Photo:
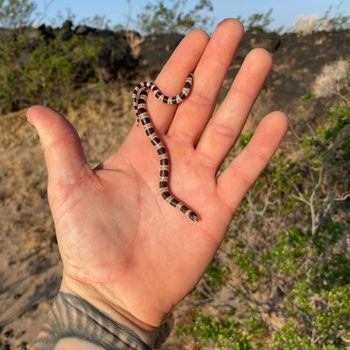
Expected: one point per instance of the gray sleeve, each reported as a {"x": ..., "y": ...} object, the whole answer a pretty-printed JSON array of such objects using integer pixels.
[{"x": 73, "y": 317}]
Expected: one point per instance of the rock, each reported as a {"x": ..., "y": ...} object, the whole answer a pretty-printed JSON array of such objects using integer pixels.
[
  {"x": 83, "y": 30},
  {"x": 114, "y": 55},
  {"x": 46, "y": 32},
  {"x": 67, "y": 30},
  {"x": 256, "y": 38},
  {"x": 67, "y": 26},
  {"x": 155, "y": 51}
]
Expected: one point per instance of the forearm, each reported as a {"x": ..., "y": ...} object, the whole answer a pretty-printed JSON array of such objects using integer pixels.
[{"x": 75, "y": 323}]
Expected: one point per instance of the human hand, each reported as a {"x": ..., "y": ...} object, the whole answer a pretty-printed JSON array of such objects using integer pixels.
[{"x": 125, "y": 249}]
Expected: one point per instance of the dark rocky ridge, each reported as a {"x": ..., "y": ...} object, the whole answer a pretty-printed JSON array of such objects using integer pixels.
[
  {"x": 298, "y": 58},
  {"x": 128, "y": 56}
]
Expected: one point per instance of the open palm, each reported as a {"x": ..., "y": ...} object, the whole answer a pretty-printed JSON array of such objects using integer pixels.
[{"x": 117, "y": 236}]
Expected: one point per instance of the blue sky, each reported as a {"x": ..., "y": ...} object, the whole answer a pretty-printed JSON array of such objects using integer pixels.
[{"x": 284, "y": 12}]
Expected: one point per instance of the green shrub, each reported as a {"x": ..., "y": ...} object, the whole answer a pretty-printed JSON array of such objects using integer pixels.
[
  {"x": 216, "y": 275},
  {"x": 54, "y": 72},
  {"x": 290, "y": 248},
  {"x": 224, "y": 333}
]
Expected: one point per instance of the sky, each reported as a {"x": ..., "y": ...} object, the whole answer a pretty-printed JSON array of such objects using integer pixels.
[{"x": 284, "y": 12}]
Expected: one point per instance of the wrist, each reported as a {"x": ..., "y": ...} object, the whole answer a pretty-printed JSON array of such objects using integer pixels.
[
  {"x": 145, "y": 332},
  {"x": 75, "y": 323}
]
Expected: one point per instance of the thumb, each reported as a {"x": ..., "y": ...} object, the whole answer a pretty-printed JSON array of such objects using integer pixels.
[{"x": 64, "y": 155}]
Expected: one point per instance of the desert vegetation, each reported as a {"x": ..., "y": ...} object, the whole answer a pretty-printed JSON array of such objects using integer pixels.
[
  {"x": 287, "y": 256},
  {"x": 281, "y": 279}
]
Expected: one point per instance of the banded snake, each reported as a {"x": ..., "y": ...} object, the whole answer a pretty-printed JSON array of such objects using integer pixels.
[{"x": 140, "y": 94}]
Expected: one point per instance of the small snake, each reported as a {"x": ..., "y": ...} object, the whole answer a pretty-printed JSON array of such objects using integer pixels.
[{"x": 140, "y": 94}]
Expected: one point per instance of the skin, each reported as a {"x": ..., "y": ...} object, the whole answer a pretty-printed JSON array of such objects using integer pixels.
[{"x": 126, "y": 250}]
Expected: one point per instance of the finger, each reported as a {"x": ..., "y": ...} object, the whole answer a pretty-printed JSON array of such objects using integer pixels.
[
  {"x": 173, "y": 75},
  {"x": 192, "y": 116},
  {"x": 64, "y": 156},
  {"x": 226, "y": 125},
  {"x": 236, "y": 179}
]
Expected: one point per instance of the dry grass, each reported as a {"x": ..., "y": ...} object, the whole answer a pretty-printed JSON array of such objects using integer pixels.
[{"x": 332, "y": 79}]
